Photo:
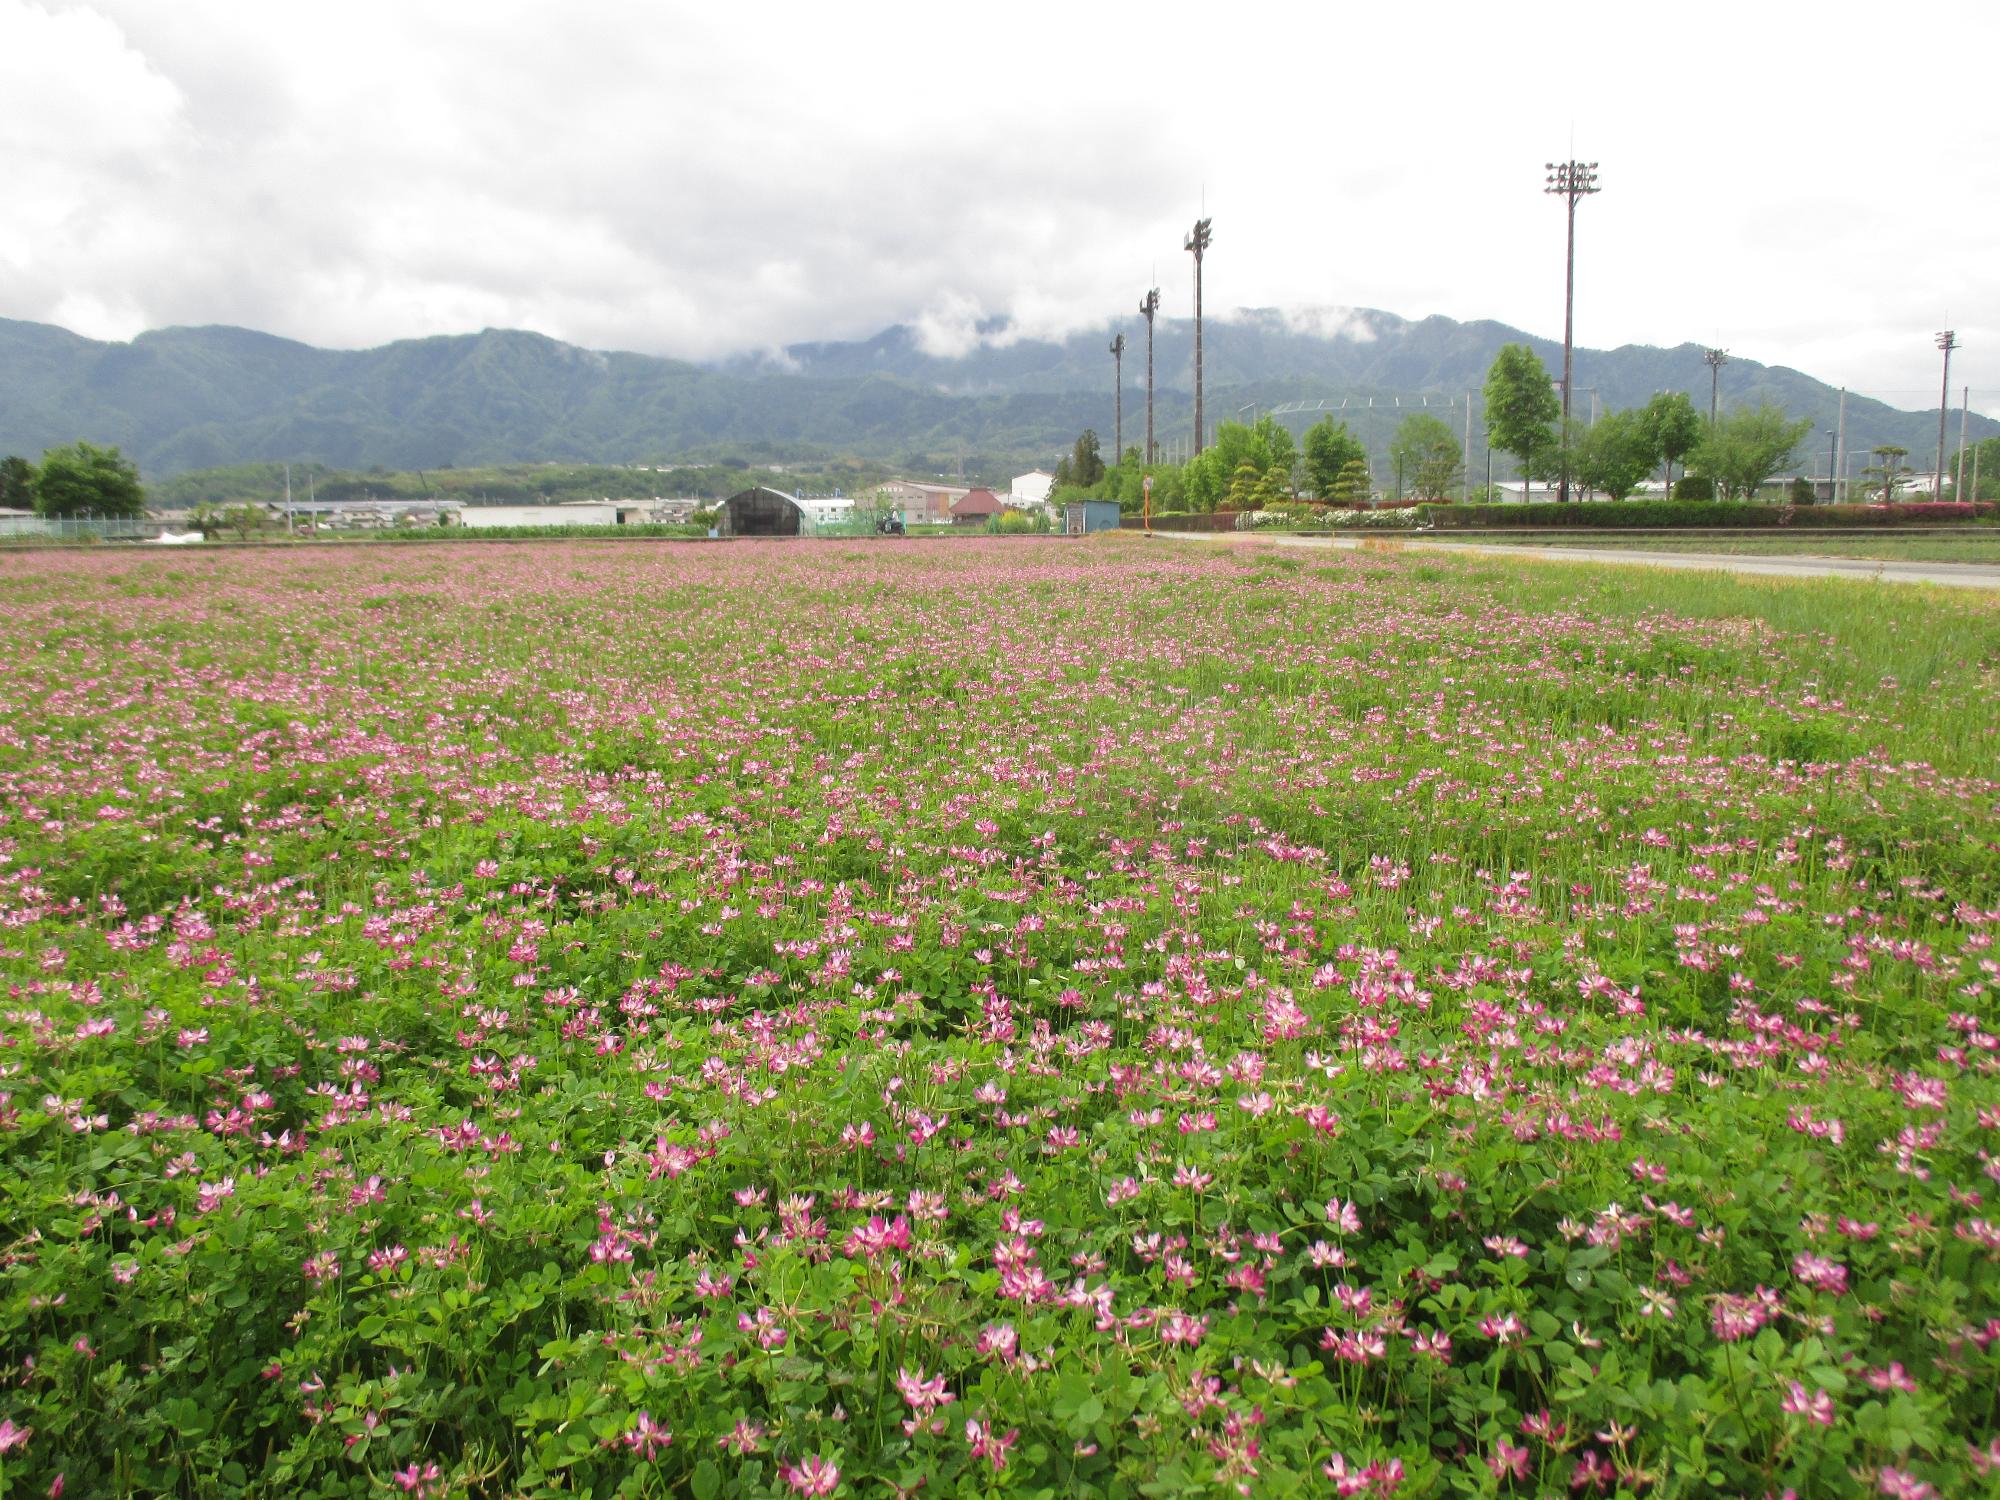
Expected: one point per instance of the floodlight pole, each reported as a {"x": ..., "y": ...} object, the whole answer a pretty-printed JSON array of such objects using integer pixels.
[
  {"x": 1840, "y": 448},
  {"x": 1118, "y": 387},
  {"x": 1964, "y": 411},
  {"x": 1569, "y": 180},
  {"x": 1197, "y": 244},
  {"x": 1149, "y": 306},
  {"x": 1715, "y": 359},
  {"x": 1946, "y": 341}
]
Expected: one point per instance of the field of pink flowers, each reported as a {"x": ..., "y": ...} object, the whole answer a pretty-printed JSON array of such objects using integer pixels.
[{"x": 1044, "y": 1018}]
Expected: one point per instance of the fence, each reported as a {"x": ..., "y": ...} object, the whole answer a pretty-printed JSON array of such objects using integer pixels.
[
  {"x": 81, "y": 529},
  {"x": 1214, "y": 520}
]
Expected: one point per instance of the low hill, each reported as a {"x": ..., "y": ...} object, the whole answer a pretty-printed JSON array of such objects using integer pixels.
[{"x": 182, "y": 399}]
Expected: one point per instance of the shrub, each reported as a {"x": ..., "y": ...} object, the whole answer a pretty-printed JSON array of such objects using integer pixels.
[{"x": 1694, "y": 487}]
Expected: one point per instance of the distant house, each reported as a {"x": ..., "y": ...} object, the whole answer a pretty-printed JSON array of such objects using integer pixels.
[
  {"x": 920, "y": 504},
  {"x": 976, "y": 508},
  {"x": 1030, "y": 491}
]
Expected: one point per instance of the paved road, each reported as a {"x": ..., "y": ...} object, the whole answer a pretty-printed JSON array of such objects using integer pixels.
[{"x": 1949, "y": 575}]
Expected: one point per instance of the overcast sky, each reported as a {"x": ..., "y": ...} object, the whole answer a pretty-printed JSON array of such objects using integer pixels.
[{"x": 1813, "y": 185}]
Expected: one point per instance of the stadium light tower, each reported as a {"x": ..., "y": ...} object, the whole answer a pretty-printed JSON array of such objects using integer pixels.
[
  {"x": 1149, "y": 306},
  {"x": 1118, "y": 387},
  {"x": 1715, "y": 359},
  {"x": 1197, "y": 244},
  {"x": 1947, "y": 341},
  {"x": 1569, "y": 180}
]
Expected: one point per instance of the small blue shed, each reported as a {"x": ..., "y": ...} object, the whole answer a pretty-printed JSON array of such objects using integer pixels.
[{"x": 1081, "y": 517}]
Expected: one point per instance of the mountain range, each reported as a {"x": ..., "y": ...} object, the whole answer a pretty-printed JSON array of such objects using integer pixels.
[{"x": 180, "y": 399}]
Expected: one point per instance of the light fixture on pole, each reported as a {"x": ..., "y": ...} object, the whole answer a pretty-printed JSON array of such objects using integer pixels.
[
  {"x": 1715, "y": 359},
  {"x": 1947, "y": 341},
  {"x": 1118, "y": 387},
  {"x": 1149, "y": 307},
  {"x": 1569, "y": 180},
  {"x": 1198, "y": 241}
]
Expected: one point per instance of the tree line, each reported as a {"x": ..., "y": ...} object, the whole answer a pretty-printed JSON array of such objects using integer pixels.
[
  {"x": 1257, "y": 465},
  {"x": 81, "y": 479}
]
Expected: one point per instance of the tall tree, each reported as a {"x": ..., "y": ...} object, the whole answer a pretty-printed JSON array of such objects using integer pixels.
[
  {"x": 86, "y": 480},
  {"x": 1615, "y": 454},
  {"x": 1673, "y": 427},
  {"x": 1521, "y": 408},
  {"x": 1086, "y": 464},
  {"x": 1329, "y": 446},
  {"x": 1281, "y": 451},
  {"x": 1426, "y": 452},
  {"x": 17, "y": 483},
  {"x": 1746, "y": 446}
]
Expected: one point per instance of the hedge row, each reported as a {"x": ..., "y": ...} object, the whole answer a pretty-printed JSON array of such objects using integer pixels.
[{"x": 1667, "y": 513}]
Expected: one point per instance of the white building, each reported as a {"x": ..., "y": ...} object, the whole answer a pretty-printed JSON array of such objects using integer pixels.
[
  {"x": 1030, "y": 491},
  {"x": 576, "y": 513},
  {"x": 826, "y": 510}
]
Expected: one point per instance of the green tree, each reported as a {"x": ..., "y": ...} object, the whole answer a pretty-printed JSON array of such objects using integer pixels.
[
  {"x": 1746, "y": 446},
  {"x": 1273, "y": 488},
  {"x": 1086, "y": 464},
  {"x": 1521, "y": 408},
  {"x": 1329, "y": 448},
  {"x": 84, "y": 479},
  {"x": 1982, "y": 469},
  {"x": 17, "y": 483},
  {"x": 1614, "y": 454},
  {"x": 1205, "y": 480},
  {"x": 1243, "y": 486},
  {"x": 1673, "y": 427},
  {"x": 1280, "y": 450},
  {"x": 1355, "y": 483},
  {"x": 1888, "y": 469},
  {"x": 1426, "y": 451}
]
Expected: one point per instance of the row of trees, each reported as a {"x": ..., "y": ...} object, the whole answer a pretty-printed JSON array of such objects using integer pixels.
[
  {"x": 1732, "y": 455},
  {"x": 1254, "y": 466},
  {"x": 79, "y": 480},
  {"x": 1250, "y": 466}
]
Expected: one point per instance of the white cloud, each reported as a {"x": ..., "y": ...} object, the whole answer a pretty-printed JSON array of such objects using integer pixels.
[{"x": 698, "y": 181}]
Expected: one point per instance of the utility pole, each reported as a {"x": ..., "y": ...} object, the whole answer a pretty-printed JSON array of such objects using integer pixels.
[
  {"x": 1832, "y": 463},
  {"x": 1149, "y": 305},
  {"x": 288, "y": 499},
  {"x": 1964, "y": 408},
  {"x": 1715, "y": 359},
  {"x": 1466, "y": 467},
  {"x": 1947, "y": 341},
  {"x": 1118, "y": 386},
  {"x": 1569, "y": 180},
  {"x": 1840, "y": 448},
  {"x": 1197, "y": 245}
]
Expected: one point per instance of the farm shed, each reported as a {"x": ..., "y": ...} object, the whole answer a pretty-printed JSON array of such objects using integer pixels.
[
  {"x": 1081, "y": 517},
  {"x": 763, "y": 512}
]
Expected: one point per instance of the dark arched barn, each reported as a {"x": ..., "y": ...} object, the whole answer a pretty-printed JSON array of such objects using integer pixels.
[{"x": 763, "y": 512}]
